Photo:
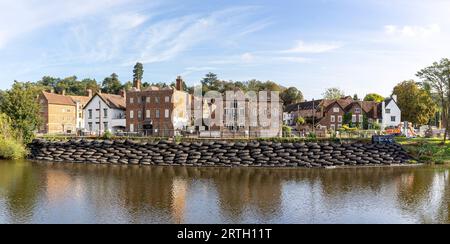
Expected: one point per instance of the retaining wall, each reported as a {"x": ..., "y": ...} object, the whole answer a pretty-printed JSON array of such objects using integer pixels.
[{"x": 230, "y": 154}]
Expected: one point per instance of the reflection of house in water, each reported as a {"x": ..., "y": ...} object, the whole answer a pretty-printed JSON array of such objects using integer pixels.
[
  {"x": 255, "y": 189},
  {"x": 59, "y": 184},
  {"x": 179, "y": 189}
]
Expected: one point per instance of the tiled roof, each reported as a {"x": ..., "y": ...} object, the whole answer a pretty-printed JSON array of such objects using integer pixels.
[
  {"x": 53, "y": 98},
  {"x": 82, "y": 99},
  {"x": 114, "y": 101},
  {"x": 303, "y": 106}
]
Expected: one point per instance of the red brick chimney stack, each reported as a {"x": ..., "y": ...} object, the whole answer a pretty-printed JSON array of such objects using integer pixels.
[{"x": 179, "y": 84}]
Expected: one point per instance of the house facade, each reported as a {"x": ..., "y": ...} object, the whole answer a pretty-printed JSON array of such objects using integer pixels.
[
  {"x": 154, "y": 111},
  {"x": 333, "y": 114},
  {"x": 58, "y": 113},
  {"x": 390, "y": 113},
  {"x": 80, "y": 102},
  {"x": 243, "y": 117},
  {"x": 105, "y": 112}
]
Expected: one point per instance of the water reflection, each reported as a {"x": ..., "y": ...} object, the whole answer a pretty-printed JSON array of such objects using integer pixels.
[{"x": 78, "y": 193}]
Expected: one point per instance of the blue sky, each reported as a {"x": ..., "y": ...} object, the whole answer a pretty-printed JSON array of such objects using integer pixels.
[{"x": 359, "y": 46}]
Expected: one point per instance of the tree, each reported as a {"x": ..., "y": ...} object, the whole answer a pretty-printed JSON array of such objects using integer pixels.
[
  {"x": 374, "y": 97},
  {"x": 138, "y": 72},
  {"x": 19, "y": 104},
  {"x": 436, "y": 80},
  {"x": 416, "y": 104},
  {"x": 300, "y": 121},
  {"x": 355, "y": 97},
  {"x": 291, "y": 95},
  {"x": 111, "y": 84},
  {"x": 333, "y": 93}
]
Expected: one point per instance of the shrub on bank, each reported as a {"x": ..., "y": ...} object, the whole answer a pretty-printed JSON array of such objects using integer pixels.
[{"x": 10, "y": 146}]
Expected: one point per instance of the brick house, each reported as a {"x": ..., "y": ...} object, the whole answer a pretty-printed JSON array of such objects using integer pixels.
[
  {"x": 243, "y": 117},
  {"x": 330, "y": 114},
  {"x": 154, "y": 111},
  {"x": 58, "y": 113}
]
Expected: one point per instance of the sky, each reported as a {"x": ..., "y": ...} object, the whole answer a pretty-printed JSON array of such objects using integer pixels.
[{"x": 359, "y": 46}]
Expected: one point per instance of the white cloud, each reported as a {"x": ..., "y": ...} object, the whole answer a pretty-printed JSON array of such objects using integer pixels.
[
  {"x": 412, "y": 31},
  {"x": 19, "y": 17},
  {"x": 303, "y": 47},
  {"x": 247, "y": 57},
  {"x": 293, "y": 59},
  {"x": 127, "y": 21}
]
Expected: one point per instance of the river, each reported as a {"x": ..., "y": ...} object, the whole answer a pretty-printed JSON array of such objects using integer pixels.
[{"x": 39, "y": 192}]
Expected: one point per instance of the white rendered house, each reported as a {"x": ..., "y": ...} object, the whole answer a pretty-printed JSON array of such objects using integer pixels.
[
  {"x": 105, "y": 112},
  {"x": 391, "y": 115}
]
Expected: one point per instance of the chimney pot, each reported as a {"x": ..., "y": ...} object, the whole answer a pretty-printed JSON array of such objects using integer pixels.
[{"x": 89, "y": 91}]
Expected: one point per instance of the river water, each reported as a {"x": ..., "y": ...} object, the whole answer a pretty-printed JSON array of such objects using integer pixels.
[{"x": 32, "y": 192}]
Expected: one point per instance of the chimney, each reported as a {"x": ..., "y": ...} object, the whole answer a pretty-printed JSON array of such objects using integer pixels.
[
  {"x": 137, "y": 84},
  {"x": 63, "y": 92},
  {"x": 179, "y": 84},
  {"x": 89, "y": 91},
  {"x": 52, "y": 90},
  {"x": 123, "y": 93},
  {"x": 394, "y": 97}
]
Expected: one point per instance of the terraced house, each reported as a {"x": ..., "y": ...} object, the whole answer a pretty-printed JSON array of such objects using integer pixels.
[
  {"x": 333, "y": 114},
  {"x": 161, "y": 112}
]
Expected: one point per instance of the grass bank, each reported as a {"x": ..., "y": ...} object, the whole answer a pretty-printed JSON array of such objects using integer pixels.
[
  {"x": 430, "y": 151},
  {"x": 10, "y": 146}
]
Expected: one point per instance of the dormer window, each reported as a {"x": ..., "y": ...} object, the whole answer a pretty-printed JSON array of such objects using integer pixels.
[{"x": 357, "y": 110}]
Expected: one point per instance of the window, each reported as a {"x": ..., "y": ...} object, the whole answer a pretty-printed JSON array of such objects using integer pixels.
[
  {"x": 354, "y": 118},
  {"x": 131, "y": 127},
  {"x": 340, "y": 119},
  {"x": 105, "y": 113},
  {"x": 90, "y": 126},
  {"x": 131, "y": 114},
  {"x": 339, "y": 126},
  {"x": 357, "y": 110},
  {"x": 147, "y": 99},
  {"x": 336, "y": 110},
  {"x": 105, "y": 126},
  {"x": 361, "y": 118},
  {"x": 131, "y": 100},
  {"x": 166, "y": 113},
  {"x": 333, "y": 127},
  {"x": 80, "y": 115},
  {"x": 333, "y": 119},
  {"x": 90, "y": 113},
  {"x": 167, "y": 99},
  {"x": 157, "y": 113},
  {"x": 388, "y": 111},
  {"x": 393, "y": 118},
  {"x": 156, "y": 99},
  {"x": 147, "y": 114},
  {"x": 139, "y": 114}
]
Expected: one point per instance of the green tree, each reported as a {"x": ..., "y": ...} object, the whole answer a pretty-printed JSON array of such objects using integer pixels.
[
  {"x": 374, "y": 97},
  {"x": 300, "y": 121},
  {"x": 416, "y": 104},
  {"x": 138, "y": 72},
  {"x": 291, "y": 95},
  {"x": 436, "y": 80},
  {"x": 111, "y": 84},
  {"x": 333, "y": 93},
  {"x": 19, "y": 104},
  {"x": 347, "y": 119},
  {"x": 355, "y": 97}
]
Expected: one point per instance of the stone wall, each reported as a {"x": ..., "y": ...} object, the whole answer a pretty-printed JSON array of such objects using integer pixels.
[{"x": 230, "y": 154}]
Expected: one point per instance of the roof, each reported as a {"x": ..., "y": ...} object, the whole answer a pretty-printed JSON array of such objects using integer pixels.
[
  {"x": 303, "y": 106},
  {"x": 111, "y": 100},
  {"x": 53, "y": 98},
  {"x": 82, "y": 99}
]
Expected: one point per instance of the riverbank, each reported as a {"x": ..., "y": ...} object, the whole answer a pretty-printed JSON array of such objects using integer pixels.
[
  {"x": 428, "y": 150},
  {"x": 220, "y": 154}
]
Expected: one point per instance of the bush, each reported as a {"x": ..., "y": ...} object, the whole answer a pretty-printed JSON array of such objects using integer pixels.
[
  {"x": 11, "y": 149},
  {"x": 107, "y": 135},
  {"x": 287, "y": 131}
]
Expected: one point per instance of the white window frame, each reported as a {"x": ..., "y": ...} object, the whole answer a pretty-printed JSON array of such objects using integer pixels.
[
  {"x": 132, "y": 127},
  {"x": 333, "y": 119},
  {"x": 167, "y": 99},
  {"x": 336, "y": 110},
  {"x": 333, "y": 127},
  {"x": 167, "y": 113},
  {"x": 340, "y": 118},
  {"x": 131, "y": 114},
  {"x": 148, "y": 114},
  {"x": 361, "y": 118},
  {"x": 131, "y": 100},
  {"x": 354, "y": 118}
]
